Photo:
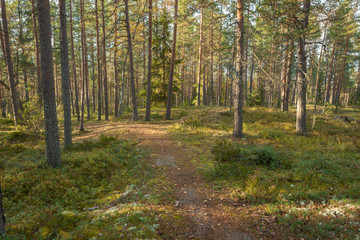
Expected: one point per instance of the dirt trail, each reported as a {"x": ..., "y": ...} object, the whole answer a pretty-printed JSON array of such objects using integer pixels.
[{"x": 207, "y": 216}]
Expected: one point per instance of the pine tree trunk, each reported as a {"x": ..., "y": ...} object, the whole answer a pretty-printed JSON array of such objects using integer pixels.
[
  {"x": 47, "y": 77},
  {"x": 65, "y": 73},
  {"x": 288, "y": 77},
  {"x": 86, "y": 65},
  {"x": 252, "y": 71},
  {"x": 341, "y": 79},
  {"x": 74, "y": 66},
  {"x": 98, "y": 60},
  {"x": 238, "y": 100},
  {"x": 328, "y": 88},
  {"x": 302, "y": 81},
  {"x": 37, "y": 56},
  {"x": 106, "y": 99},
  {"x": 116, "y": 71},
  {"x": 14, "y": 94},
  {"x": 131, "y": 58},
  {"x": 83, "y": 63},
  {"x": 172, "y": 67},
  {"x": 27, "y": 98},
  {"x": 148, "y": 87},
  {"x": 357, "y": 89},
  {"x": 317, "y": 79},
  {"x": 200, "y": 56},
  {"x": 204, "y": 78},
  {"x": 284, "y": 76},
  {"x": 93, "y": 76},
  {"x": 212, "y": 57}
]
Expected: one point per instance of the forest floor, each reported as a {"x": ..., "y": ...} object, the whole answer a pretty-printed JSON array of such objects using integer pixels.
[
  {"x": 204, "y": 213},
  {"x": 188, "y": 178}
]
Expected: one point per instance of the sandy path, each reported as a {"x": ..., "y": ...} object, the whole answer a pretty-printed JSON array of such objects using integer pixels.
[{"x": 207, "y": 216}]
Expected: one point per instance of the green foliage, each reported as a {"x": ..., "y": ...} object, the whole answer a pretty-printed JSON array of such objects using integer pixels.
[
  {"x": 254, "y": 98},
  {"x": 229, "y": 151},
  {"x": 162, "y": 58},
  {"x": 6, "y": 124},
  {"x": 302, "y": 179},
  {"x": 84, "y": 198},
  {"x": 33, "y": 114}
]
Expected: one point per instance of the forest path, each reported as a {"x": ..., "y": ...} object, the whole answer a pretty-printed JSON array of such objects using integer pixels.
[{"x": 207, "y": 216}]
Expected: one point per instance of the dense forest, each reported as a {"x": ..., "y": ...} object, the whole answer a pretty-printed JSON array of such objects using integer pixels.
[{"x": 237, "y": 71}]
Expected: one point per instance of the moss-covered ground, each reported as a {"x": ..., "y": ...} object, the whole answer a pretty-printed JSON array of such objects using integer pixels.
[{"x": 107, "y": 188}]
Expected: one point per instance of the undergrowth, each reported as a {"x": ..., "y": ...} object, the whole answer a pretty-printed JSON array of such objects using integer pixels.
[
  {"x": 310, "y": 186},
  {"x": 102, "y": 191}
]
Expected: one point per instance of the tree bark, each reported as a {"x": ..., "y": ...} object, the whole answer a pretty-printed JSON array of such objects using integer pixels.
[
  {"x": 172, "y": 66},
  {"x": 106, "y": 99},
  {"x": 148, "y": 88},
  {"x": 238, "y": 100},
  {"x": 341, "y": 79},
  {"x": 98, "y": 60},
  {"x": 328, "y": 88},
  {"x": 65, "y": 73},
  {"x": 116, "y": 71},
  {"x": 8, "y": 59},
  {"x": 93, "y": 76},
  {"x": 357, "y": 89},
  {"x": 36, "y": 39},
  {"x": 131, "y": 58},
  {"x": 302, "y": 81},
  {"x": 47, "y": 77},
  {"x": 317, "y": 79},
  {"x": 252, "y": 71},
  {"x": 284, "y": 77},
  {"x": 200, "y": 56},
  {"x": 74, "y": 66}
]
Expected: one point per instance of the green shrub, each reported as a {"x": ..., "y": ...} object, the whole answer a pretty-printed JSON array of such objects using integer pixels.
[
  {"x": 228, "y": 151},
  {"x": 266, "y": 156},
  {"x": 33, "y": 114},
  {"x": 254, "y": 99}
]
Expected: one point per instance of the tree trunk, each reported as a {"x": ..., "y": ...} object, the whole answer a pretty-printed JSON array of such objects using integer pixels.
[
  {"x": 317, "y": 79},
  {"x": 148, "y": 88},
  {"x": 238, "y": 101},
  {"x": 27, "y": 98},
  {"x": 14, "y": 94},
  {"x": 204, "y": 78},
  {"x": 36, "y": 39},
  {"x": 106, "y": 99},
  {"x": 284, "y": 77},
  {"x": 212, "y": 56},
  {"x": 341, "y": 80},
  {"x": 357, "y": 89},
  {"x": 252, "y": 71},
  {"x": 132, "y": 77},
  {"x": 116, "y": 71},
  {"x": 65, "y": 73},
  {"x": 200, "y": 56},
  {"x": 47, "y": 78},
  {"x": 328, "y": 88},
  {"x": 289, "y": 73},
  {"x": 93, "y": 76},
  {"x": 172, "y": 67},
  {"x": 302, "y": 81},
  {"x": 220, "y": 73},
  {"x": 74, "y": 67},
  {"x": 98, "y": 60}
]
